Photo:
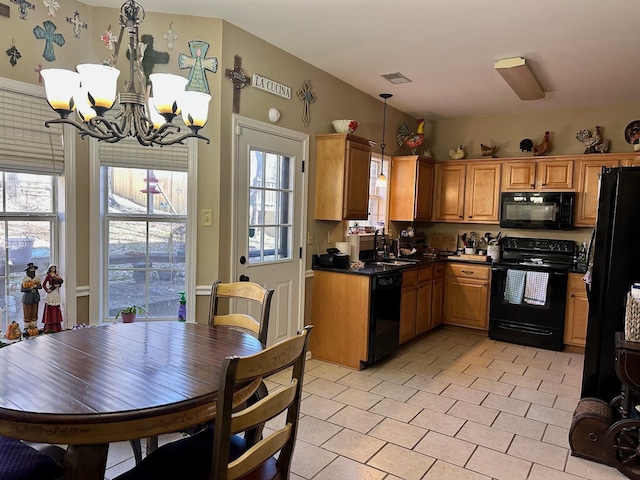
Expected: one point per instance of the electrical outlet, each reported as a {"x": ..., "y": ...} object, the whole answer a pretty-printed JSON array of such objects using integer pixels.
[
  {"x": 309, "y": 237},
  {"x": 330, "y": 236},
  {"x": 206, "y": 218}
]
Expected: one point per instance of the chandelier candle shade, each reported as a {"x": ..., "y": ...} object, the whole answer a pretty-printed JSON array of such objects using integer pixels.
[
  {"x": 381, "y": 181},
  {"x": 91, "y": 92}
]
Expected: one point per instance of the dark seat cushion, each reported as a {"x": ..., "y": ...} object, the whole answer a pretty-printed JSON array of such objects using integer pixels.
[
  {"x": 22, "y": 462},
  {"x": 195, "y": 454}
]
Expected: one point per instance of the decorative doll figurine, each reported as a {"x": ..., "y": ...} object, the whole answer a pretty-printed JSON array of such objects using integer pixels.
[
  {"x": 52, "y": 317},
  {"x": 30, "y": 297}
]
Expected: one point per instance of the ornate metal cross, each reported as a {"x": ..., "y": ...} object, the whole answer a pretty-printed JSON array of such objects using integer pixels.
[
  {"x": 239, "y": 80},
  {"x": 23, "y": 7},
  {"x": 78, "y": 24},
  {"x": 308, "y": 97}
]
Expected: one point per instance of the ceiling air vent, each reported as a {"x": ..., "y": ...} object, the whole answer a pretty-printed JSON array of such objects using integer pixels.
[{"x": 396, "y": 78}]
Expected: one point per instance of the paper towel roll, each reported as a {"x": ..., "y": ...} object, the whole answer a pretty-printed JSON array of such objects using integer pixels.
[
  {"x": 343, "y": 247},
  {"x": 355, "y": 248}
]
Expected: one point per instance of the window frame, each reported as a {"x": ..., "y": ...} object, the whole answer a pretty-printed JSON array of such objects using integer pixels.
[{"x": 99, "y": 235}]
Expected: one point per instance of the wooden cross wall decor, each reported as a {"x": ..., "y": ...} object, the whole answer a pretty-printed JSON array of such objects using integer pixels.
[
  {"x": 48, "y": 33},
  {"x": 239, "y": 80}
]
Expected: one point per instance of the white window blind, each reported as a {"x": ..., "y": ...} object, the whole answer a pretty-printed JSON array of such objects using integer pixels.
[
  {"x": 26, "y": 145},
  {"x": 129, "y": 153}
]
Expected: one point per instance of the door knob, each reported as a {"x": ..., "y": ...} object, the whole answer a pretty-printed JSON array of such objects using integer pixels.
[
  {"x": 243, "y": 260},
  {"x": 244, "y": 278}
]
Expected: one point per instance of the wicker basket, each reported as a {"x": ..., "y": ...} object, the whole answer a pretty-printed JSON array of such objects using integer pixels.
[{"x": 632, "y": 319}]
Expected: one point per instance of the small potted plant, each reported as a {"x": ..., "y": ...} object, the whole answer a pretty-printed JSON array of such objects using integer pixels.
[{"x": 129, "y": 313}]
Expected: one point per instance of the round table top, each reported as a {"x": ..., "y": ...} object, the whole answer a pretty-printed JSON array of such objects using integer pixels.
[{"x": 94, "y": 377}]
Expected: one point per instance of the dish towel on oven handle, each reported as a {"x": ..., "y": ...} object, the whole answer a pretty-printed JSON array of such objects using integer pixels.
[
  {"x": 514, "y": 286},
  {"x": 535, "y": 292}
]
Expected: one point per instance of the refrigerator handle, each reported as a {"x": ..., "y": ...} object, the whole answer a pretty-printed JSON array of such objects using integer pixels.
[{"x": 589, "y": 262}]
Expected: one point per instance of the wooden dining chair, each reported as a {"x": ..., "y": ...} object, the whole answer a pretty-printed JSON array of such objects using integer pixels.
[
  {"x": 19, "y": 461},
  {"x": 253, "y": 293},
  {"x": 218, "y": 452}
]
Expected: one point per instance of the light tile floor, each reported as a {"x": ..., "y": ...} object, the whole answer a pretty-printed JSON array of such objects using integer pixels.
[{"x": 451, "y": 404}]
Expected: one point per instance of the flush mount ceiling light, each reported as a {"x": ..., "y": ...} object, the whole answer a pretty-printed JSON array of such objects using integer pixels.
[
  {"x": 396, "y": 78},
  {"x": 381, "y": 181},
  {"x": 91, "y": 91},
  {"x": 517, "y": 74}
]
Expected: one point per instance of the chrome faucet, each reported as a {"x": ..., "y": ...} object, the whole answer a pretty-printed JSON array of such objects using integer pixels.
[{"x": 385, "y": 245}]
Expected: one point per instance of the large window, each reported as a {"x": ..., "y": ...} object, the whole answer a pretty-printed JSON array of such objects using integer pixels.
[
  {"x": 28, "y": 227},
  {"x": 145, "y": 224},
  {"x": 377, "y": 196}
]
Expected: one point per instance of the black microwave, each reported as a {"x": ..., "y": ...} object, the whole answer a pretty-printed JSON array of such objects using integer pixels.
[{"x": 540, "y": 210}]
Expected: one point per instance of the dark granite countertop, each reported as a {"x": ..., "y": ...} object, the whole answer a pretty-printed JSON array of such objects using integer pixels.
[{"x": 383, "y": 266}]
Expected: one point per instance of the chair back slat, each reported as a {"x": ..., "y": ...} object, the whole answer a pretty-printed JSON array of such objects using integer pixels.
[{"x": 275, "y": 359}]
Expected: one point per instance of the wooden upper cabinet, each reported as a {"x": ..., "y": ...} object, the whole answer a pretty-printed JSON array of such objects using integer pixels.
[
  {"x": 411, "y": 188},
  {"x": 482, "y": 192},
  {"x": 467, "y": 192},
  {"x": 342, "y": 177},
  {"x": 449, "y": 192},
  {"x": 589, "y": 169},
  {"x": 526, "y": 175}
]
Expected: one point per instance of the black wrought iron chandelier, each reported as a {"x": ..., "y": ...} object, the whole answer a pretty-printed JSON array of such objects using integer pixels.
[
  {"x": 381, "y": 181},
  {"x": 91, "y": 92}
]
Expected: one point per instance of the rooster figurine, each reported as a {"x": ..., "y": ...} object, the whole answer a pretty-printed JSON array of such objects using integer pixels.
[
  {"x": 543, "y": 147},
  {"x": 411, "y": 140},
  {"x": 457, "y": 154},
  {"x": 593, "y": 143},
  {"x": 488, "y": 150}
]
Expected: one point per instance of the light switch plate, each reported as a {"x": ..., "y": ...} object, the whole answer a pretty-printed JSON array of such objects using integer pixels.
[{"x": 206, "y": 219}]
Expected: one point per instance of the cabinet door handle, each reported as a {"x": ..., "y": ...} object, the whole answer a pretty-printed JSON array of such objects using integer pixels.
[
  {"x": 460, "y": 216},
  {"x": 572, "y": 295},
  {"x": 467, "y": 272},
  {"x": 543, "y": 184},
  {"x": 533, "y": 185},
  {"x": 470, "y": 216}
]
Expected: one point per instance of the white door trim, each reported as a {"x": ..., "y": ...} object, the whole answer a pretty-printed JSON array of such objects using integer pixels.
[{"x": 239, "y": 123}]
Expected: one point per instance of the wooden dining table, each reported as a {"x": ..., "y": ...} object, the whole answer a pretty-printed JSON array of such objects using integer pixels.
[{"x": 88, "y": 387}]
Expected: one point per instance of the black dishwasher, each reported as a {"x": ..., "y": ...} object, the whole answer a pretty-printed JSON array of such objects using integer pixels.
[{"x": 384, "y": 319}]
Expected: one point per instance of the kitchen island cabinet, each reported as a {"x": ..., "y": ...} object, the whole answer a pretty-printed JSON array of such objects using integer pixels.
[
  {"x": 342, "y": 170},
  {"x": 467, "y": 295},
  {"x": 340, "y": 318},
  {"x": 577, "y": 311},
  {"x": 467, "y": 192},
  {"x": 407, "y": 203}
]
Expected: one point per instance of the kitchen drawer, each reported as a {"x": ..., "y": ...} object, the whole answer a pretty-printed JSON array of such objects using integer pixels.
[
  {"x": 467, "y": 270},
  {"x": 438, "y": 270},
  {"x": 409, "y": 278},
  {"x": 424, "y": 274}
]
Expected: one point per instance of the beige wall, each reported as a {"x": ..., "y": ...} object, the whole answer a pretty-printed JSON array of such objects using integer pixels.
[{"x": 507, "y": 131}]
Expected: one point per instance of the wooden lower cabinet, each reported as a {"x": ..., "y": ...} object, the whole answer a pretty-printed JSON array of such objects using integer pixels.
[
  {"x": 577, "y": 312},
  {"x": 467, "y": 295},
  {"x": 421, "y": 303}
]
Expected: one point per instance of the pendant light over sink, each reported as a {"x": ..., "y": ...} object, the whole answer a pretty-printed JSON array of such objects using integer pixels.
[{"x": 382, "y": 179}]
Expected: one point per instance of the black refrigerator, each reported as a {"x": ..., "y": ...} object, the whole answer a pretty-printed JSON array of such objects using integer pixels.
[{"x": 615, "y": 259}]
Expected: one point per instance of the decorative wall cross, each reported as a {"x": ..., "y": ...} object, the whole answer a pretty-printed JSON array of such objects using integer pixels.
[
  {"x": 308, "y": 97},
  {"x": 199, "y": 63},
  {"x": 52, "y": 5},
  {"x": 239, "y": 80},
  {"x": 39, "y": 69},
  {"x": 78, "y": 24},
  {"x": 23, "y": 7},
  {"x": 108, "y": 38},
  {"x": 14, "y": 55},
  {"x": 170, "y": 36},
  {"x": 48, "y": 33}
]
